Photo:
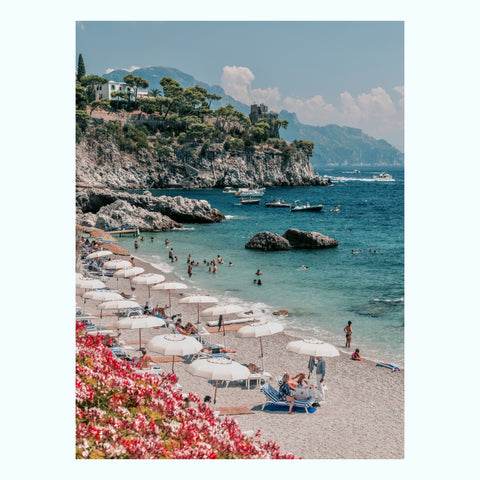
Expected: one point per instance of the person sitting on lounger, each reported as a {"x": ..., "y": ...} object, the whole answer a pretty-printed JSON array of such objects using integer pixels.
[
  {"x": 300, "y": 380},
  {"x": 253, "y": 368},
  {"x": 285, "y": 392},
  {"x": 144, "y": 360},
  {"x": 180, "y": 328},
  {"x": 190, "y": 329},
  {"x": 217, "y": 350}
]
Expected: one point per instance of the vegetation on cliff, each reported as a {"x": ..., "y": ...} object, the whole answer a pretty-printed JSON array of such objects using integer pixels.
[{"x": 177, "y": 116}]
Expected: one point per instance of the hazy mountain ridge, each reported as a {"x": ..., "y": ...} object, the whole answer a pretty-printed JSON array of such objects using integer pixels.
[{"x": 334, "y": 145}]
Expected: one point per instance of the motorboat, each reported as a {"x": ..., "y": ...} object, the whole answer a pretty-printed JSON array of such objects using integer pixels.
[
  {"x": 305, "y": 207},
  {"x": 356, "y": 171},
  {"x": 250, "y": 192},
  {"x": 278, "y": 204},
  {"x": 250, "y": 201},
  {"x": 384, "y": 176},
  {"x": 229, "y": 190}
]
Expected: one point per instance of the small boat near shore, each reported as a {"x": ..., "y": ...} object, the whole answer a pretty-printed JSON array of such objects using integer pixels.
[
  {"x": 229, "y": 190},
  {"x": 250, "y": 192},
  {"x": 250, "y": 201},
  {"x": 298, "y": 206},
  {"x": 384, "y": 176},
  {"x": 278, "y": 204}
]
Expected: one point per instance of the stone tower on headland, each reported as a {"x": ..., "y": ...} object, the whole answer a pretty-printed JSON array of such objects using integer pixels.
[{"x": 260, "y": 112}]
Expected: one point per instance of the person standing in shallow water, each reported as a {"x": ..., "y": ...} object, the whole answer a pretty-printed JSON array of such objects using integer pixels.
[
  {"x": 348, "y": 334},
  {"x": 189, "y": 270}
]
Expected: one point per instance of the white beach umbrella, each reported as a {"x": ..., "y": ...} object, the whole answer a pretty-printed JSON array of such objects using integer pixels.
[
  {"x": 169, "y": 286},
  {"x": 142, "y": 321},
  {"x": 117, "y": 305},
  {"x": 218, "y": 368},
  {"x": 128, "y": 272},
  {"x": 313, "y": 348},
  {"x": 222, "y": 310},
  {"x": 117, "y": 264},
  {"x": 101, "y": 296},
  {"x": 89, "y": 283},
  {"x": 98, "y": 254},
  {"x": 148, "y": 279},
  {"x": 259, "y": 330},
  {"x": 198, "y": 299},
  {"x": 174, "y": 344}
]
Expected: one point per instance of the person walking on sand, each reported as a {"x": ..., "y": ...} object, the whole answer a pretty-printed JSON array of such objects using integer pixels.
[
  {"x": 348, "y": 334},
  {"x": 320, "y": 377},
  {"x": 189, "y": 270}
]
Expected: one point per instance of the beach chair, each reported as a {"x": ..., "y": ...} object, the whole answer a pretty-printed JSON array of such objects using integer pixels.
[{"x": 272, "y": 396}]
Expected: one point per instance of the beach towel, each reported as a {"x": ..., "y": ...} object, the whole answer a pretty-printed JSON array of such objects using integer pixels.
[{"x": 275, "y": 407}]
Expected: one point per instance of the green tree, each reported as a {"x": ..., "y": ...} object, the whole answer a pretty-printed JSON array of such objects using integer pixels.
[
  {"x": 276, "y": 125},
  {"x": 80, "y": 97},
  {"x": 81, "y": 70},
  {"x": 304, "y": 146},
  {"x": 136, "y": 83},
  {"x": 90, "y": 82},
  {"x": 260, "y": 131},
  {"x": 173, "y": 92},
  {"x": 154, "y": 92}
]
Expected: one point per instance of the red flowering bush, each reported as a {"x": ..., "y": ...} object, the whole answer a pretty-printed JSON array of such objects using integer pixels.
[{"x": 123, "y": 413}]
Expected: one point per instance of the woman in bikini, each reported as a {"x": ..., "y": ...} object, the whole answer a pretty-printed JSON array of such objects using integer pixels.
[{"x": 348, "y": 333}]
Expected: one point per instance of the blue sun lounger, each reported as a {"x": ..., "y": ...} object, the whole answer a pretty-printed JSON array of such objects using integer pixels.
[{"x": 272, "y": 396}]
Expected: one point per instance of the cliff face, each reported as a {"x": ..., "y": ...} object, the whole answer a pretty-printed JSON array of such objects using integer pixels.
[{"x": 100, "y": 163}]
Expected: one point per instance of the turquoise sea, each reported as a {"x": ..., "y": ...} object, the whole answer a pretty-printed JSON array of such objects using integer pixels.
[{"x": 364, "y": 287}]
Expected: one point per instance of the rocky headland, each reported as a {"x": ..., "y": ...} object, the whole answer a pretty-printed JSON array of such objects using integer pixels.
[{"x": 101, "y": 163}]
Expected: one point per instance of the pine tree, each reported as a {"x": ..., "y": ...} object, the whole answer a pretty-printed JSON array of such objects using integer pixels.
[{"x": 81, "y": 71}]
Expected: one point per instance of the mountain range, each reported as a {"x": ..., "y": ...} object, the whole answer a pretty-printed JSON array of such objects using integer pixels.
[{"x": 334, "y": 145}]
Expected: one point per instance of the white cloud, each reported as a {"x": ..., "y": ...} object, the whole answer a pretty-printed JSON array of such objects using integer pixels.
[
  {"x": 108, "y": 70},
  {"x": 373, "y": 112},
  {"x": 236, "y": 82}
]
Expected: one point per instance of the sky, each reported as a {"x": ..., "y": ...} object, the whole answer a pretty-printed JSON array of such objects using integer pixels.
[{"x": 347, "y": 73}]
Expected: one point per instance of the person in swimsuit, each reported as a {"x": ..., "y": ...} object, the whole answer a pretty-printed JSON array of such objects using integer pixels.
[
  {"x": 144, "y": 360},
  {"x": 348, "y": 334},
  {"x": 356, "y": 355},
  {"x": 285, "y": 392}
]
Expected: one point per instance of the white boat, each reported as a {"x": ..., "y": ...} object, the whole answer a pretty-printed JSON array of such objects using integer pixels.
[
  {"x": 250, "y": 192},
  {"x": 278, "y": 204},
  {"x": 250, "y": 201},
  {"x": 384, "y": 176},
  {"x": 229, "y": 190},
  {"x": 300, "y": 207},
  {"x": 356, "y": 171}
]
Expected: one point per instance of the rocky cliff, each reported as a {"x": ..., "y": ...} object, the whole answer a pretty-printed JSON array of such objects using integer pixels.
[{"x": 101, "y": 163}]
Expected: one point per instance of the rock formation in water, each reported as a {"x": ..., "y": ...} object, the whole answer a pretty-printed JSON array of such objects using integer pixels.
[
  {"x": 267, "y": 241},
  {"x": 300, "y": 239}
]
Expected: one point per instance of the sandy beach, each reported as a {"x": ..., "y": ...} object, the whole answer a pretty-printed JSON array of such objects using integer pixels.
[{"x": 362, "y": 417}]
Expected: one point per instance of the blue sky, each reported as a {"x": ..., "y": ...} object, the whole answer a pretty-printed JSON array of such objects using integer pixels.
[{"x": 348, "y": 73}]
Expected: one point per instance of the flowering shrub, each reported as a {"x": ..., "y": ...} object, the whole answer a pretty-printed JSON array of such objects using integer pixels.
[{"x": 124, "y": 413}]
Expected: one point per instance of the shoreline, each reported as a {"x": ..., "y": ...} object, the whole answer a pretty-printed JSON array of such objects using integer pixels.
[
  {"x": 363, "y": 416},
  {"x": 294, "y": 331}
]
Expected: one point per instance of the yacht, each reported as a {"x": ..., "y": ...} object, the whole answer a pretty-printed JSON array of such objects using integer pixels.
[
  {"x": 300, "y": 207},
  {"x": 250, "y": 192},
  {"x": 384, "y": 176}
]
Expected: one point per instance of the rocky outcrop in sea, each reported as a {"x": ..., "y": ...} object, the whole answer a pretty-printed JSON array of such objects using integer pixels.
[
  {"x": 292, "y": 238},
  {"x": 98, "y": 208}
]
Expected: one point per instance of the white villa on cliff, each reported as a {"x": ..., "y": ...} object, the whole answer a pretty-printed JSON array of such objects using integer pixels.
[{"x": 107, "y": 89}]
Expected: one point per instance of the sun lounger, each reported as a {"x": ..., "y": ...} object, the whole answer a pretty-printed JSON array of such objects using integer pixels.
[{"x": 272, "y": 396}]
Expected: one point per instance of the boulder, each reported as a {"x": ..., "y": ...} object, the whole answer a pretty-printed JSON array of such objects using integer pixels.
[
  {"x": 300, "y": 239},
  {"x": 268, "y": 241},
  {"x": 121, "y": 212}
]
